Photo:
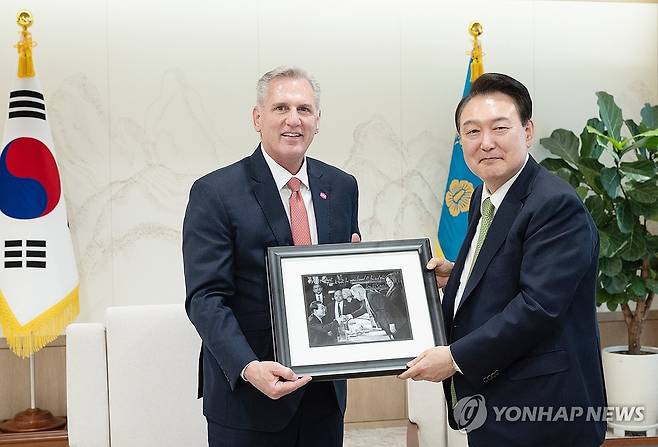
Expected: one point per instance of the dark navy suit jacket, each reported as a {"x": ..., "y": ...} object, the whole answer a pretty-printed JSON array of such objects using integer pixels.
[
  {"x": 525, "y": 332},
  {"x": 233, "y": 215}
]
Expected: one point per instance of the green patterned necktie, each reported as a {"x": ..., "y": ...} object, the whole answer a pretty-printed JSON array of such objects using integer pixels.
[
  {"x": 487, "y": 217},
  {"x": 485, "y": 223}
]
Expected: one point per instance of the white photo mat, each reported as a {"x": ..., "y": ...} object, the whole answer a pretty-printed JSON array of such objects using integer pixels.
[{"x": 301, "y": 354}]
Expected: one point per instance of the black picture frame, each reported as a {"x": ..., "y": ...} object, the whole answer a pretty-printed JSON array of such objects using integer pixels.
[{"x": 289, "y": 269}]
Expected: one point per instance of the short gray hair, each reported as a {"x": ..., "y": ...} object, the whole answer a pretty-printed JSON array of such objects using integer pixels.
[
  {"x": 358, "y": 289},
  {"x": 285, "y": 72}
]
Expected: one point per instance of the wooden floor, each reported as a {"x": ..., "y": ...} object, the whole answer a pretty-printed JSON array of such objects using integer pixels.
[{"x": 54, "y": 438}]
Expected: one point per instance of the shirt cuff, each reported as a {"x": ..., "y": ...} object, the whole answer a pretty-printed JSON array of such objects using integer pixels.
[
  {"x": 454, "y": 364},
  {"x": 245, "y": 368}
]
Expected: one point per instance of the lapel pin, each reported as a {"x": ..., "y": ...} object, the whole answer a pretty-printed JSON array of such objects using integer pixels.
[{"x": 323, "y": 196}]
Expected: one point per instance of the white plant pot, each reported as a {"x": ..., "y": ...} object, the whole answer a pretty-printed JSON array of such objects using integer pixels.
[{"x": 631, "y": 381}]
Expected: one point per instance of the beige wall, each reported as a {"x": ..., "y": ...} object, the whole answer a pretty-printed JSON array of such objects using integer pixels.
[
  {"x": 50, "y": 380},
  {"x": 144, "y": 97}
]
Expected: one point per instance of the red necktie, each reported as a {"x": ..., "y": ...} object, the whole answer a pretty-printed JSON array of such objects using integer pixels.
[{"x": 301, "y": 233}]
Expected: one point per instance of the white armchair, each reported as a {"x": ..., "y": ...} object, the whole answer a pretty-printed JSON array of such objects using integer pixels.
[
  {"x": 133, "y": 381},
  {"x": 428, "y": 423}
]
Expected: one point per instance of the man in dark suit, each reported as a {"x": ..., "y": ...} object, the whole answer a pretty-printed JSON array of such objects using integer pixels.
[
  {"x": 318, "y": 295},
  {"x": 319, "y": 332},
  {"x": 519, "y": 305},
  {"x": 276, "y": 196},
  {"x": 352, "y": 308}
]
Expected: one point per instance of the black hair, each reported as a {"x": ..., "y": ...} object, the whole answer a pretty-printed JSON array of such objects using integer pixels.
[
  {"x": 314, "y": 305},
  {"x": 499, "y": 83}
]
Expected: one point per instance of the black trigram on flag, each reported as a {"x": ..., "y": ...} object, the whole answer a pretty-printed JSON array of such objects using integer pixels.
[
  {"x": 29, "y": 253},
  {"x": 26, "y": 104}
]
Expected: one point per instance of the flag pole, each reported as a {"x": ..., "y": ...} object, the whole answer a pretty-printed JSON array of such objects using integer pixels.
[
  {"x": 33, "y": 419},
  {"x": 32, "y": 393},
  {"x": 475, "y": 29}
]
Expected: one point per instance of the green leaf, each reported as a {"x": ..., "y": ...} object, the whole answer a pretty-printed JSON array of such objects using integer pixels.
[
  {"x": 652, "y": 285},
  {"x": 563, "y": 143},
  {"x": 583, "y": 192},
  {"x": 596, "y": 124},
  {"x": 553, "y": 164},
  {"x": 632, "y": 126},
  {"x": 615, "y": 284},
  {"x": 604, "y": 244},
  {"x": 568, "y": 176},
  {"x": 649, "y": 116},
  {"x": 602, "y": 138},
  {"x": 637, "y": 286},
  {"x": 639, "y": 170},
  {"x": 648, "y": 210},
  {"x": 596, "y": 208},
  {"x": 652, "y": 243},
  {"x": 651, "y": 143},
  {"x": 648, "y": 133},
  {"x": 610, "y": 266},
  {"x": 610, "y": 114},
  {"x": 602, "y": 296},
  {"x": 611, "y": 181},
  {"x": 636, "y": 129},
  {"x": 635, "y": 248},
  {"x": 590, "y": 169},
  {"x": 625, "y": 217},
  {"x": 618, "y": 241},
  {"x": 631, "y": 296},
  {"x": 589, "y": 146},
  {"x": 612, "y": 305},
  {"x": 645, "y": 192}
]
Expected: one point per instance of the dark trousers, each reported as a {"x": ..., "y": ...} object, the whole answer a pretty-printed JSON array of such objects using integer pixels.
[{"x": 318, "y": 422}]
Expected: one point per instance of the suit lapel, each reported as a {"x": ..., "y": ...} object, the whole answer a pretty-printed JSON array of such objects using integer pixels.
[
  {"x": 503, "y": 220},
  {"x": 268, "y": 197},
  {"x": 321, "y": 194},
  {"x": 453, "y": 286}
]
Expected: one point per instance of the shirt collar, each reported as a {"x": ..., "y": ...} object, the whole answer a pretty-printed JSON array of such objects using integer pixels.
[
  {"x": 499, "y": 195},
  {"x": 281, "y": 174}
]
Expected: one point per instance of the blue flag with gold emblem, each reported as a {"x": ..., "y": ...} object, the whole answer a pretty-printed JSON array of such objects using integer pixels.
[{"x": 461, "y": 181}]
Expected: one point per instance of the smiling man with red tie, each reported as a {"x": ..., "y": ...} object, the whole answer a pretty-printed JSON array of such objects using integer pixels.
[{"x": 277, "y": 196}]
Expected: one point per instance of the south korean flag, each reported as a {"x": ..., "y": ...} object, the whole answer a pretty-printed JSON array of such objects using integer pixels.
[{"x": 38, "y": 273}]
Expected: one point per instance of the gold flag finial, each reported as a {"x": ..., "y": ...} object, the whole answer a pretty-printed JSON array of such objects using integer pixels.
[
  {"x": 24, "y": 19},
  {"x": 477, "y": 66}
]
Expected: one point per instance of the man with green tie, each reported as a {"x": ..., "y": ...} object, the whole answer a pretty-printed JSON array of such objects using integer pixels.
[{"x": 519, "y": 302}]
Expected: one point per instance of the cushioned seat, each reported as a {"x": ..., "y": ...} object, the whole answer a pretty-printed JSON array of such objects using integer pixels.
[
  {"x": 133, "y": 381},
  {"x": 428, "y": 424}
]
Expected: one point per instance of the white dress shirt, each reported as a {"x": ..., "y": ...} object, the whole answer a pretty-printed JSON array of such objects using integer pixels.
[
  {"x": 496, "y": 200},
  {"x": 281, "y": 177}
]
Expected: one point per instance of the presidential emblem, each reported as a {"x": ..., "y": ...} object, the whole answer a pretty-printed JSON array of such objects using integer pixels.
[{"x": 458, "y": 196}]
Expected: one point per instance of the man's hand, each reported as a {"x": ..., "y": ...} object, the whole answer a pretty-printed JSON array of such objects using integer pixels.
[
  {"x": 391, "y": 327},
  {"x": 355, "y": 238},
  {"x": 442, "y": 269},
  {"x": 273, "y": 379},
  {"x": 434, "y": 365}
]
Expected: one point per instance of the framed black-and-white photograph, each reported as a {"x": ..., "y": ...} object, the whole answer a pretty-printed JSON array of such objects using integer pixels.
[{"x": 353, "y": 310}]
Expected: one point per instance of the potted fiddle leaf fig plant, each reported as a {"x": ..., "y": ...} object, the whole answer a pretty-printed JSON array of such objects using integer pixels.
[{"x": 613, "y": 166}]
